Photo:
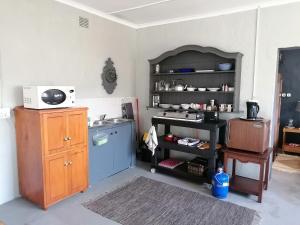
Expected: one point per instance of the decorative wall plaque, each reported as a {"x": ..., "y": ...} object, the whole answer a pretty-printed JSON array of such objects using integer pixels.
[{"x": 109, "y": 76}]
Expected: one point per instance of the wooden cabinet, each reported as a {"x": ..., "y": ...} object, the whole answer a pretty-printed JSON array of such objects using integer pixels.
[
  {"x": 115, "y": 155},
  {"x": 293, "y": 147},
  {"x": 52, "y": 153}
]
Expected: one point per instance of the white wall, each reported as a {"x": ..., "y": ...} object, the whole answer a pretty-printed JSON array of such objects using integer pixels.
[{"x": 41, "y": 43}]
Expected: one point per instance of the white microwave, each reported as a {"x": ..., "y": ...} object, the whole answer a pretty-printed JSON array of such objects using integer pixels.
[{"x": 48, "y": 97}]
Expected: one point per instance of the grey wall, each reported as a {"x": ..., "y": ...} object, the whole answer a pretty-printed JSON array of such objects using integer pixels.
[
  {"x": 233, "y": 32},
  {"x": 42, "y": 44}
]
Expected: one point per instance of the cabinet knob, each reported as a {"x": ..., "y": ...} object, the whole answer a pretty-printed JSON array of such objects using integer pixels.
[
  {"x": 66, "y": 163},
  {"x": 66, "y": 138},
  {"x": 116, "y": 132},
  {"x": 69, "y": 138},
  {"x": 70, "y": 162},
  {"x": 111, "y": 133}
]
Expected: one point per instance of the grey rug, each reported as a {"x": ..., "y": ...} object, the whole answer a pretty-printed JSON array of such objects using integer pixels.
[{"x": 148, "y": 202}]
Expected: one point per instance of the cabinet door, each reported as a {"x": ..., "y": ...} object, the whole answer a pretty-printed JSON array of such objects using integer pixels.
[
  {"x": 54, "y": 132},
  {"x": 56, "y": 177},
  {"x": 77, "y": 169},
  {"x": 101, "y": 157},
  {"x": 122, "y": 147},
  {"x": 76, "y": 128}
]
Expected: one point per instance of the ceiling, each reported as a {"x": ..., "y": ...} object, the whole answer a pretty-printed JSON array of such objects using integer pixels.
[{"x": 144, "y": 13}]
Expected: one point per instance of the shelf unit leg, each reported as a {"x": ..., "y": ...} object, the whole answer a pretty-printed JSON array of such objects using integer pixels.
[
  {"x": 167, "y": 151},
  {"x": 212, "y": 160}
]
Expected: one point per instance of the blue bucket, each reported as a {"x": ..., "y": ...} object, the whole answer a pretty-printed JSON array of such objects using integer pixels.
[{"x": 220, "y": 184}]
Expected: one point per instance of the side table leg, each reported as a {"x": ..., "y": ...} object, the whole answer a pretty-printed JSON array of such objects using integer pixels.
[
  {"x": 267, "y": 173},
  {"x": 225, "y": 162},
  {"x": 261, "y": 180},
  {"x": 233, "y": 167}
]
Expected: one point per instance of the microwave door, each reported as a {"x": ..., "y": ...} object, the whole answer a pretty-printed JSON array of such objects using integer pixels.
[{"x": 53, "y": 97}]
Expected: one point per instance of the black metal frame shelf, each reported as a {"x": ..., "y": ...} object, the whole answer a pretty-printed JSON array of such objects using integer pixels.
[{"x": 215, "y": 130}]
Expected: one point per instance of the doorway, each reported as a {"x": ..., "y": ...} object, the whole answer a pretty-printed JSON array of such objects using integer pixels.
[{"x": 286, "y": 97}]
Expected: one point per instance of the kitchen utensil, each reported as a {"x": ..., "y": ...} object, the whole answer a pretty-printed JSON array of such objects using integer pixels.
[
  {"x": 222, "y": 107},
  {"x": 161, "y": 85},
  {"x": 211, "y": 116},
  {"x": 190, "y": 89},
  {"x": 156, "y": 100},
  {"x": 195, "y": 106},
  {"x": 175, "y": 106},
  {"x": 156, "y": 86},
  {"x": 186, "y": 70},
  {"x": 224, "y": 66},
  {"x": 179, "y": 87},
  {"x": 252, "y": 109},
  {"x": 229, "y": 108},
  {"x": 167, "y": 86},
  {"x": 201, "y": 89},
  {"x": 185, "y": 106},
  {"x": 157, "y": 68},
  {"x": 165, "y": 106},
  {"x": 213, "y": 89}
]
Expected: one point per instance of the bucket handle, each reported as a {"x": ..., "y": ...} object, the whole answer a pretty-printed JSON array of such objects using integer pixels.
[{"x": 216, "y": 177}]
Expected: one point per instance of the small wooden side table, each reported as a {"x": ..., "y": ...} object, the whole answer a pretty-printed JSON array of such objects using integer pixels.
[
  {"x": 244, "y": 184},
  {"x": 286, "y": 147}
]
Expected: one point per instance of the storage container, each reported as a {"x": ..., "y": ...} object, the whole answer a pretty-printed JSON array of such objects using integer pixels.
[{"x": 248, "y": 135}]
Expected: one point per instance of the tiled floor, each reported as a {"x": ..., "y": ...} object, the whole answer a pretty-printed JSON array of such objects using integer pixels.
[{"x": 281, "y": 203}]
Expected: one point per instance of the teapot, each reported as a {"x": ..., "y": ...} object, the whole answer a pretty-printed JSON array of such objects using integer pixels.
[{"x": 179, "y": 86}]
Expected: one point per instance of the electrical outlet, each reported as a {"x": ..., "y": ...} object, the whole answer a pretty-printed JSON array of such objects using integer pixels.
[{"x": 4, "y": 113}]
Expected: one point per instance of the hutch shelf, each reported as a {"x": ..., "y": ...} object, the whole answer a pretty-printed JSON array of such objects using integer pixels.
[{"x": 203, "y": 60}]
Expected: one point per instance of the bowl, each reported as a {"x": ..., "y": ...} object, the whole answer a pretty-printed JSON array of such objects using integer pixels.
[
  {"x": 165, "y": 106},
  {"x": 201, "y": 89},
  {"x": 213, "y": 89},
  {"x": 225, "y": 66},
  {"x": 175, "y": 106},
  {"x": 185, "y": 106},
  {"x": 195, "y": 106},
  {"x": 190, "y": 89},
  {"x": 230, "y": 88}
]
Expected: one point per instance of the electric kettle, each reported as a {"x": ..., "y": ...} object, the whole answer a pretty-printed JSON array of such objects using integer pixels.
[{"x": 252, "y": 109}]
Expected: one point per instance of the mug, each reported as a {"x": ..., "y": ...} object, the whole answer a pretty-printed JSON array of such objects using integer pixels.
[
  {"x": 229, "y": 108},
  {"x": 222, "y": 107}
]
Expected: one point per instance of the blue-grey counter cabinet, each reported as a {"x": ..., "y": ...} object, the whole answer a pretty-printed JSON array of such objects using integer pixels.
[{"x": 112, "y": 149}]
